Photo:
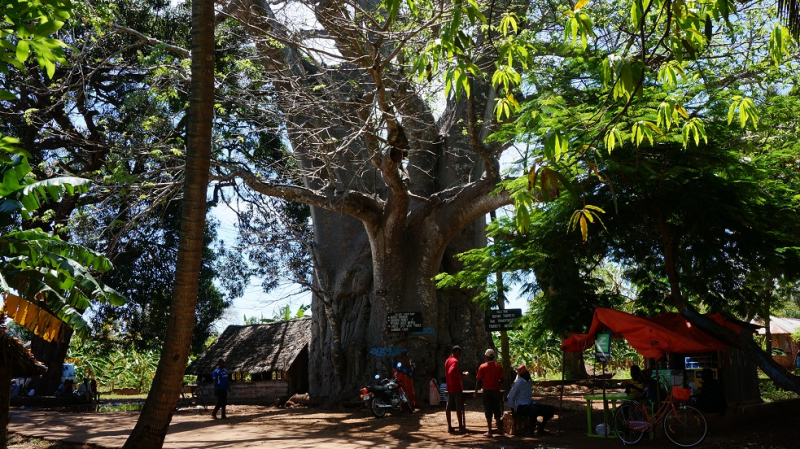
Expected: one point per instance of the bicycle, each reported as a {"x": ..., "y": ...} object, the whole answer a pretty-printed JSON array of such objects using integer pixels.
[{"x": 683, "y": 424}]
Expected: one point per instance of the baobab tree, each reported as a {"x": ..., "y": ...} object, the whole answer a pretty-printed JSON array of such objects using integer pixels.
[{"x": 398, "y": 174}]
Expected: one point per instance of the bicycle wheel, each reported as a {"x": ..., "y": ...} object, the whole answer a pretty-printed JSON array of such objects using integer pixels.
[
  {"x": 685, "y": 426},
  {"x": 629, "y": 421}
]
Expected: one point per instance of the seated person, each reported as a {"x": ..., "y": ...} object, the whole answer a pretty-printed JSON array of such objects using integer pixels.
[
  {"x": 33, "y": 385},
  {"x": 712, "y": 395},
  {"x": 64, "y": 389},
  {"x": 14, "y": 389},
  {"x": 642, "y": 385},
  {"x": 85, "y": 391},
  {"x": 520, "y": 400}
]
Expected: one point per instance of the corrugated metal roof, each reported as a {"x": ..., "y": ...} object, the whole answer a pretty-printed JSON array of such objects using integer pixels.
[{"x": 779, "y": 325}]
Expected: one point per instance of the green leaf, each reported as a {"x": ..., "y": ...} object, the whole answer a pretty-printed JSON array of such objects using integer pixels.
[
  {"x": 23, "y": 51},
  {"x": 580, "y": 4},
  {"x": 48, "y": 28},
  {"x": 508, "y": 20},
  {"x": 51, "y": 68},
  {"x": 732, "y": 111}
]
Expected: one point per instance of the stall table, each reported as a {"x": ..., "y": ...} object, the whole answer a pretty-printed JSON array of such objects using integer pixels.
[{"x": 612, "y": 398}]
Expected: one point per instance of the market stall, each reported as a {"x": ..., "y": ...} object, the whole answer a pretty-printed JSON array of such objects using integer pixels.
[{"x": 682, "y": 349}]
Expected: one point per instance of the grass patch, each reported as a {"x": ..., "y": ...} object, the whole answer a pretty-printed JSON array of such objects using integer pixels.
[
  {"x": 119, "y": 397},
  {"x": 770, "y": 392}
]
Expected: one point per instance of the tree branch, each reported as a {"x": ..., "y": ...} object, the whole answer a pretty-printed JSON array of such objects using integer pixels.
[
  {"x": 182, "y": 52},
  {"x": 360, "y": 206}
]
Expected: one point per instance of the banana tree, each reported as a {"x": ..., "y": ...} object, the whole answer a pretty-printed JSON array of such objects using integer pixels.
[{"x": 45, "y": 281}]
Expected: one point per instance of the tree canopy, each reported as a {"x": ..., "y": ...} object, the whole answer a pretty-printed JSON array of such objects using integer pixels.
[{"x": 626, "y": 135}]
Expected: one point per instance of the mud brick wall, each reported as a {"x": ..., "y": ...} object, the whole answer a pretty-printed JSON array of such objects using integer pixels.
[{"x": 254, "y": 393}]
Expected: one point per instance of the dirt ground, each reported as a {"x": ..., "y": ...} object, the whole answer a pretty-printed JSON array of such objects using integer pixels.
[{"x": 342, "y": 427}]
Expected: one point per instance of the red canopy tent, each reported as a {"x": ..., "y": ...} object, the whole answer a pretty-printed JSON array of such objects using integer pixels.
[{"x": 653, "y": 337}]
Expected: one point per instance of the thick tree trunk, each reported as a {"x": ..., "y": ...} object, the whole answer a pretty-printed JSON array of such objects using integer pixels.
[
  {"x": 361, "y": 305},
  {"x": 153, "y": 423},
  {"x": 574, "y": 366},
  {"x": 52, "y": 354}
]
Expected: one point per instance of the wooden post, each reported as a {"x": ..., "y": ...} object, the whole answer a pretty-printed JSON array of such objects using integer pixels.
[
  {"x": 605, "y": 404},
  {"x": 501, "y": 304},
  {"x": 504, "y": 347}
]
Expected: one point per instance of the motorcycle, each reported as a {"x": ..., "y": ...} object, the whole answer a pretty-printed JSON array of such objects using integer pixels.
[{"x": 386, "y": 394}]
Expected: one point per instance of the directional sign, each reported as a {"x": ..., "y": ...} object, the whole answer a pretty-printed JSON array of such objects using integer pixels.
[
  {"x": 500, "y": 320},
  {"x": 602, "y": 347},
  {"x": 405, "y": 322}
]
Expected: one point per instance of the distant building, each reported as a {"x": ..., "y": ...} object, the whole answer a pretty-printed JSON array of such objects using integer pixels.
[
  {"x": 781, "y": 330},
  {"x": 266, "y": 361}
]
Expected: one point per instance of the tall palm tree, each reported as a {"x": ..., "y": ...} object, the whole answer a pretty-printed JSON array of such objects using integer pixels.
[{"x": 153, "y": 423}]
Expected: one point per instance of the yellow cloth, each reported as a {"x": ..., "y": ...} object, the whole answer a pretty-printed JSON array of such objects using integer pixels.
[{"x": 32, "y": 317}]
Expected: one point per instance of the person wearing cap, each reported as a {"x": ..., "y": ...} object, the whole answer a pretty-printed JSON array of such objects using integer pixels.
[
  {"x": 520, "y": 400},
  {"x": 455, "y": 391},
  {"x": 221, "y": 385},
  {"x": 490, "y": 377}
]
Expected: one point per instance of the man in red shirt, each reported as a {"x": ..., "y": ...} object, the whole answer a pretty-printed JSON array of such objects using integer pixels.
[
  {"x": 455, "y": 390},
  {"x": 490, "y": 377}
]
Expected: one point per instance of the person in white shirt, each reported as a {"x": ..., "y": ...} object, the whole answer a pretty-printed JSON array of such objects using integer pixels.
[
  {"x": 85, "y": 391},
  {"x": 520, "y": 400}
]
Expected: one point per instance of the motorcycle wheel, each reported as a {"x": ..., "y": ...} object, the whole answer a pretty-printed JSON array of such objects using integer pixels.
[
  {"x": 404, "y": 403},
  {"x": 377, "y": 407}
]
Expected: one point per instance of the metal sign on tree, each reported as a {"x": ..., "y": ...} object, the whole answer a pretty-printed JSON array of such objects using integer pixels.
[
  {"x": 502, "y": 320},
  {"x": 405, "y": 322}
]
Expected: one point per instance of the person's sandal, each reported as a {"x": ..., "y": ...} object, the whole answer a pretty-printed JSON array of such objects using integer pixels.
[{"x": 451, "y": 430}]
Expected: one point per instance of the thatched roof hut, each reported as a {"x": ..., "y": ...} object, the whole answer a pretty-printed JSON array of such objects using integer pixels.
[
  {"x": 256, "y": 349},
  {"x": 18, "y": 359}
]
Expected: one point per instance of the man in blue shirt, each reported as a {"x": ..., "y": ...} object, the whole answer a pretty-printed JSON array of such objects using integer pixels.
[
  {"x": 520, "y": 400},
  {"x": 221, "y": 385}
]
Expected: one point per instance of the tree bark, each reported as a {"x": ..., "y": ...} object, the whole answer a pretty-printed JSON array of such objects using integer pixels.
[
  {"x": 54, "y": 353},
  {"x": 767, "y": 319},
  {"x": 5, "y": 402},
  {"x": 153, "y": 423},
  {"x": 574, "y": 366}
]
